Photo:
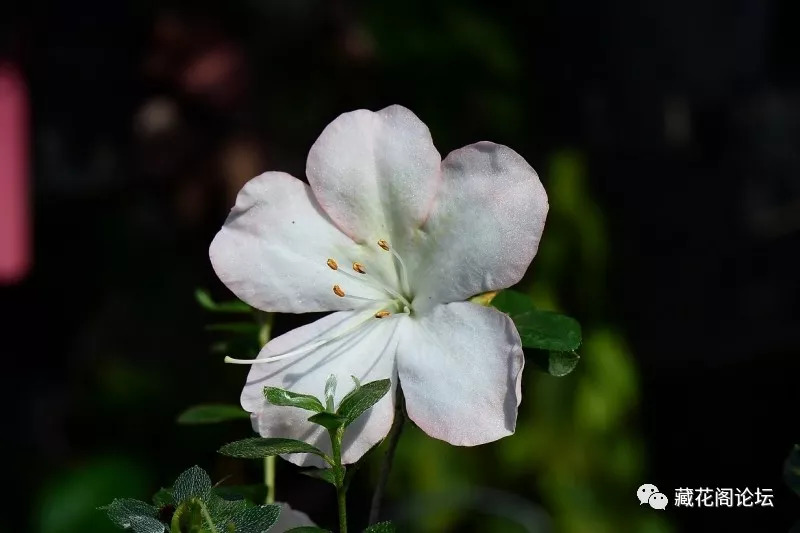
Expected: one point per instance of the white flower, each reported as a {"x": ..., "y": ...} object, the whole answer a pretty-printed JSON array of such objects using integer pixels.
[{"x": 393, "y": 239}]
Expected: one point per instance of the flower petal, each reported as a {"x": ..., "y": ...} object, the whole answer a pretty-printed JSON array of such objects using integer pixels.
[
  {"x": 365, "y": 348},
  {"x": 460, "y": 369},
  {"x": 290, "y": 518},
  {"x": 375, "y": 173},
  {"x": 272, "y": 250},
  {"x": 485, "y": 227}
]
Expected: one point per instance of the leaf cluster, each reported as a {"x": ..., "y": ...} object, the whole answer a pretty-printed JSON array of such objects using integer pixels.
[
  {"x": 192, "y": 505},
  {"x": 352, "y": 406},
  {"x": 550, "y": 339}
]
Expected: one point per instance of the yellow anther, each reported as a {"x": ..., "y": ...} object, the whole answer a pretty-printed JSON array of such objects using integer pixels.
[
  {"x": 383, "y": 244},
  {"x": 358, "y": 267},
  {"x": 337, "y": 290},
  {"x": 382, "y": 314},
  {"x": 333, "y": 264}
]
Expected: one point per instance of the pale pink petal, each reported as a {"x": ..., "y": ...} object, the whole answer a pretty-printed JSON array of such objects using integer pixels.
[
  {"x": 365, "y": 349},
  {"x": 484, "y": 229},
  {"x": 460, "y": 368},
  {"x": 375, "y": 173},
  {"x": 273, "y": 248}
]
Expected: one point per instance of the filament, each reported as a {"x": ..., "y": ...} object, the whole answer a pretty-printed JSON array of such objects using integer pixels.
[
  {"x": 375, "y": 284},
  {"x": 298, "y": 351},
  {"x": 403, "y": 272}
]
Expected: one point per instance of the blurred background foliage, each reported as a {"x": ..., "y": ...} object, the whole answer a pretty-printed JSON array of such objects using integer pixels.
[{"x": 664, "y": 132}]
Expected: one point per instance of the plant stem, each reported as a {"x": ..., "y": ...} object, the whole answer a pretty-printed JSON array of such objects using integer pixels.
[
  {"x": 386, "y": 466},
  {"x": 264, "y": 334},
  {"x": 265, "y": 320},
  {"x": 341, "y": 498},
  {"x": 269, "y": 478},
  {"x": 339, "y": 472}
]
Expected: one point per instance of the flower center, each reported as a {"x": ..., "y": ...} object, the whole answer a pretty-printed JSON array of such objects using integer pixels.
[
  {"x": 396, "y": 297},
  {"x": 395, "y": 304}
]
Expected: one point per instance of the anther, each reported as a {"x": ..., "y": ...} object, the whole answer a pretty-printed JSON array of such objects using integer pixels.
[
  {"x": 382, "y": 314},
  {"x": 403, "y": 271},
  {"x": 333, "y": 264},
  {"x": 337, "y": 290},
  {"x": 358, "y": 267}
]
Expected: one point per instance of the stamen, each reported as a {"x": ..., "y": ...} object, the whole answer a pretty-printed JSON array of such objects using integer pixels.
[
  {"x": 337, "y": 290},
  {"x": 333, "y": 264},
  {"x": 373, "y": 300},
  {"x": 358, "y": 267},
  {"x": 374, "y": 283},
  {"x": 382, "y": 314},
  {"x": 403, "y": 271},
  {"x": 278, "y": 357}
]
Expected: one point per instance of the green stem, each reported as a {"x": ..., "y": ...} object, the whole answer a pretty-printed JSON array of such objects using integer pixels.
[
  {"x": 269, "y": 478},
  {"x": 341, "y": 498},
  {"x": 386, "y": 466},
  {"x": 339, "y": 471},
  {"x": 264, "y": 334},
  {"x": 265, "y": 320}
]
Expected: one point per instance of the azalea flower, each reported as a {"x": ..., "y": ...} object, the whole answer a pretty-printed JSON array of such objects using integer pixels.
[{"x": 393, "y": 240}]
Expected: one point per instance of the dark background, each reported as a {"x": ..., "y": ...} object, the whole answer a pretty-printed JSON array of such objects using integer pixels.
[{"x": 147, "y": 117}]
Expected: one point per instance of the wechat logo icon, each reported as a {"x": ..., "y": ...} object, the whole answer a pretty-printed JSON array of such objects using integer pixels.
[{"x": 648, "y": 494}]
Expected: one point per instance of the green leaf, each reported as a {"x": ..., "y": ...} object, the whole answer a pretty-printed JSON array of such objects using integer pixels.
[
  {"x": 203, "y": 509},
  {"x": 212, "y": 414},
  {"x": 328, "y": 420},
  {"x": 251, "y": 493},
  {"x": 307, "y": 529},
  {"x": 557, "y": 364},
  {"x": 355, "y": 404},
  {"x": 193, "y": 483},
  {"x": 136, "y": 515},
  {"x": 325, "y": 474},
  {"x": 544, "y": 330},
  {"x": 277, "y": 396},
  {"x": 381, "y": 527},
  {"x": 791, "y": 469},
  {"x": 513, "y": 302},
  {"x": 562, "y": 363},
  {"x": 222, "y": 511},
  {"x": 349, "y": 394},
  {"x": 206, "y": 302},
  {"x": 146, "y": 524},
  {"x": 163, "y": 497},
  {"x": 548, "y": 331},
  {"x": 256, "y": 519},
  {"x": 258, "y": 448}
]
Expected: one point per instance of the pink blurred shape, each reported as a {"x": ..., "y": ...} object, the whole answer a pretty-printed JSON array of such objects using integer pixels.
[{"x": 15, "y": 225}]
